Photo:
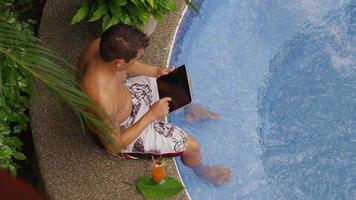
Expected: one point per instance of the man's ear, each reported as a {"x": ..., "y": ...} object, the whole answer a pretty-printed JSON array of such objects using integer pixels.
[
  {"x": 120, "y": 64},
  {"x": 140, "y": 53}
]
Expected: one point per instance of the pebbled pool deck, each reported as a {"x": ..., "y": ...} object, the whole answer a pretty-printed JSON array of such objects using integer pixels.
[{"x": 71, "y": 165}]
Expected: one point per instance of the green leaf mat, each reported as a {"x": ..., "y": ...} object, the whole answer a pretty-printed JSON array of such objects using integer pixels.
[{"x": 165, "y": 189}]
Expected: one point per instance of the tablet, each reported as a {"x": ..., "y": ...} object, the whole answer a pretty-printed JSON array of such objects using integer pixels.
[{"x": 176, "y": 86}]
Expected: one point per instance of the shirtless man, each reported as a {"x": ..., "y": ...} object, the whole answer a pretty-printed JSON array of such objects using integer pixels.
[{"x": 132, "y": 104}]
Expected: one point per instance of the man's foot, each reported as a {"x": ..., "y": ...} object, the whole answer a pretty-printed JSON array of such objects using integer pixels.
[
  {"x": 195, "y": 112},
  {"x": 215, "y": 175}
]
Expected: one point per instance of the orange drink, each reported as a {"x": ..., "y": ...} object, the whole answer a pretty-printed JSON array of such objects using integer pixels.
[{"x": 158, "y": 172}]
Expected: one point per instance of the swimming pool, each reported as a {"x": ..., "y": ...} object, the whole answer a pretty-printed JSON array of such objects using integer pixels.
[{"x": 282, "y": 73}]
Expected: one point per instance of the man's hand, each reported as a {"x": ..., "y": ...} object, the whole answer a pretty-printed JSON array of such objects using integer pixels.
[
  {"x": 159, "y": 109},
  {"x": 164, "y": 70}
]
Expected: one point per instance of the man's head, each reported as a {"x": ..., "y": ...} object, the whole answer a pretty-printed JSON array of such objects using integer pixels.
[{"x": 122, "y": 44}]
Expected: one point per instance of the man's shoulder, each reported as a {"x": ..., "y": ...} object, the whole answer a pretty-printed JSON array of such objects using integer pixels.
[
  {"x": 101, "y": 98},
  {"x": 92, "y": 48},
  {"x": 94, "y": 44},
  {"x": 86, "y": 58}
]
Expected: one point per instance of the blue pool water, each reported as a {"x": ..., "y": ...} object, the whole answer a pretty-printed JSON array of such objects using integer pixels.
[{"x": 282, "y": 74}]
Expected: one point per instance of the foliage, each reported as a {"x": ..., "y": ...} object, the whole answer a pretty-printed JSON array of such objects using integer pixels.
[
  {"x": 23, "y": 59},
  {"x": 14, "y": 92},
  {"x": 166, "y": 189},
  {"x": 131, "y": 12},
  {"x": 43, "y": 64},
  {"x": 13, "y": 118}
]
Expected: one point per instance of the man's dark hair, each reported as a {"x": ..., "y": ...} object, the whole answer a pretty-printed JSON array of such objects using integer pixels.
[{"x": 122, "y": 42}]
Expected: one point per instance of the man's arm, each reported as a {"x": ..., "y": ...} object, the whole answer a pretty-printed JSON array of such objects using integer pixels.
[
  {"x": 113, "y": 140},
  {"x": 141, "y": 69},
  {"x": 126, "y": 137},
  {"x": 123, "y": 139}
]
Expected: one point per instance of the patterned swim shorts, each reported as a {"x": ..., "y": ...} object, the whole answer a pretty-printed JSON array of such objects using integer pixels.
[{"x": 159, "y": 137}]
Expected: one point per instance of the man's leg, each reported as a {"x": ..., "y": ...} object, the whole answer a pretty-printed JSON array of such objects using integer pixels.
[
  {"x": 194, "y": 112},
  {"x": 191, "y": 158}
]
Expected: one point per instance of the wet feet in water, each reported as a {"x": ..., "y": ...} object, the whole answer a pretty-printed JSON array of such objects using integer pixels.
[
  {"x": 195, "y": 112},
  {"x": 215, "y": 175}
]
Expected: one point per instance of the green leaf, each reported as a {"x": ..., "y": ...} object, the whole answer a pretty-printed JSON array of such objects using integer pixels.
[
  {"x": 151, "y": 2},
  {"x": 100, "y": 12},
  {"x": 169, "y": 5},
  {"x": 119, "y": 3},
  {"x": 166, "y": 189},
  {"x": 3, "y": 116},
  {"x": 158, "y": 18},
  {"x": 20, "y": 128},
  {"x": 18, "y": 155},
  {"x": 5, "y": 132},
  {"x": 125, "y": 18},
  {"x": 113, "y": 21},
  {"x": 5, "y": 153},
  {"x": 93, "y": 6},
  {"x": 138, "y": 13},
  {"x": 13, "y": 142},
  {"x": 106, "y": 22},
  {"x": 81, "y": 13},
  {"x": 136, "y": 2},
  {"x": 12, "y": 170}
]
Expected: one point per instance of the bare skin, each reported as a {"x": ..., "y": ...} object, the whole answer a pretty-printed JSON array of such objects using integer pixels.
[
  {"x": 194, "y": 112},
  {"x": 103, "y": 82}
]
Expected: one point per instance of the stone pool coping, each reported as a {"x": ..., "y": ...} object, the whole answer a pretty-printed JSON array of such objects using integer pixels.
[{"x": 70, "y": 164}]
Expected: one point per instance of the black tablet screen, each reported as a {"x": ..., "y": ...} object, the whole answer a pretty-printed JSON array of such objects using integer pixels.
[{"x": 176, "y": 86}]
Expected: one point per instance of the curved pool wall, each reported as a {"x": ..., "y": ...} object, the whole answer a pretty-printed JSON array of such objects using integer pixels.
[{"x": 282, "y": 74}]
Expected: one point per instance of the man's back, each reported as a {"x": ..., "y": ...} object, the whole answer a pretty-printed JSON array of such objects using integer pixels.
[{"x": 103, "y": 85}]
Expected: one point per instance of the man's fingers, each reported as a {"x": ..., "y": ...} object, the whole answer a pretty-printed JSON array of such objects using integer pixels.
[
  {"x": 165, "y": 99},
  {"x": 172, "y": 68}
]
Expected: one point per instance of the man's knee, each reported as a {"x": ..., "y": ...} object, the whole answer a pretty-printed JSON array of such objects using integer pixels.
[{"x": 193, "y": 144}]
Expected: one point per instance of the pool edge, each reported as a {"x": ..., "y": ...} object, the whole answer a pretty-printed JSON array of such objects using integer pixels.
[{"x": 171, "y": 46}]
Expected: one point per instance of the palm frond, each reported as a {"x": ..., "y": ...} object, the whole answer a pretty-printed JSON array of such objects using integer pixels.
[
  {"x": 191, "y": 4},
  {"x": 31, "y": 56}
]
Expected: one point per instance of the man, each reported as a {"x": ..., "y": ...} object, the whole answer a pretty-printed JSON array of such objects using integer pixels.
[{"x": 132, "y": 104}]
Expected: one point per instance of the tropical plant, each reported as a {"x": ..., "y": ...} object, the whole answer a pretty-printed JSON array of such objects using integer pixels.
[
  {"x": 14, "y": 90},
  {"x": 23, "y": 59},
  {"x": 131, "y": 12},
  {"x": 13, "y": 117}
]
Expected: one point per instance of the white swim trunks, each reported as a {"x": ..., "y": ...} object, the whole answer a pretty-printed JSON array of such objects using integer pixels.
[{"x": 160, "y": 137}]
